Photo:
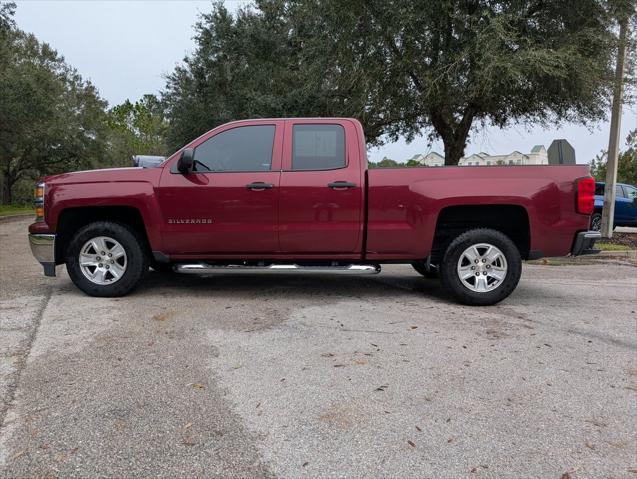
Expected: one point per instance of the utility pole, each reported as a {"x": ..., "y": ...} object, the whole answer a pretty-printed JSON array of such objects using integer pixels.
[{"x": 608, "y": 213}]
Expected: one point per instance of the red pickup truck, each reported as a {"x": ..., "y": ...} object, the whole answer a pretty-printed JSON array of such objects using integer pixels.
[{"x": 295, "y": 195}]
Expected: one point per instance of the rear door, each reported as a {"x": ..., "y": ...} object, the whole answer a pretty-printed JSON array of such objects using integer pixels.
[
  {"x": 228, "y": 204},
  {"x": 322, "y": 188}
]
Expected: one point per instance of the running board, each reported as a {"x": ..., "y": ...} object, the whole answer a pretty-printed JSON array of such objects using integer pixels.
[{"x": 205, "y": 268}]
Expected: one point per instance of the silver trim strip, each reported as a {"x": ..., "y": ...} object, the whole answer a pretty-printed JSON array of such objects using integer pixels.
[
  {"x": 592, "y": 235},
  {"x": 205, "y": 268}
]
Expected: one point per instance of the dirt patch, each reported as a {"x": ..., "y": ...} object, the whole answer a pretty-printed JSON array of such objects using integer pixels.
[{"x": 623, "y": 239}]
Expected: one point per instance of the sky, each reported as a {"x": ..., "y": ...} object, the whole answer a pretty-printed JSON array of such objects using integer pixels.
[{"x": 127, "y": 47}]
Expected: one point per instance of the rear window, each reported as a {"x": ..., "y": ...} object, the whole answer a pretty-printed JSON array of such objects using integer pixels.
[
  {"x": 318, "y": 147},
  {"x": 599, "y": 189}
]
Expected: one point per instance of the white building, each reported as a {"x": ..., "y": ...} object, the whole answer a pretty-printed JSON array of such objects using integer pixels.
[{"x": 537, "y": 156}]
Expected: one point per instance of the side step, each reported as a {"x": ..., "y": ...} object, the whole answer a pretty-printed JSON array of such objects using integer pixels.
[{"x": 205, "y": 268}]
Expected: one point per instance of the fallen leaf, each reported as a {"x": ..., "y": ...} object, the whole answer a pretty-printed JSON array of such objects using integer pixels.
[
  {"x": 198, "y": 386},
  {"x": 589, "y": 445},
  {"x": 473, "y": 470},
  {"x": 305, "y": 464},
  {"x": 418, "y": 429},
  {"x": 411, "y": 444},
  {"x": 163, "y": 316},
  {"x": 381, "y": 388},
  {"x": 339, "y": 365},
  {"x": 188, "y": 425},
  {"x": 414, "y": 327},
  {"x": 450, "y": 440},
  {"x": 327, "y": 355},
  {"x": 189, "y": 441},
  {"x": 566, "y": 475}
]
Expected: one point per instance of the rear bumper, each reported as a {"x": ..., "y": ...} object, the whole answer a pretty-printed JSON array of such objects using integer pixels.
[
  {"x": 43, "y": 249},
  {"x": 584, "y": 243}
]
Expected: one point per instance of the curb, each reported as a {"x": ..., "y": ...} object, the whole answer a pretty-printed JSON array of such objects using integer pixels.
[
  {"x": 21, "y": 216},
  {"x": 631, "y": 254}
]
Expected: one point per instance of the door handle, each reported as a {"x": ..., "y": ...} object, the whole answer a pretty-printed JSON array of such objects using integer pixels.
[
  {"x": 341, "y": 184},
  {"x": 259, "y": 185}
]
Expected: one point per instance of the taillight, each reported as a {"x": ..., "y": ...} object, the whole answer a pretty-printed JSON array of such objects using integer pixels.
[{"x": 585, "y": 203}]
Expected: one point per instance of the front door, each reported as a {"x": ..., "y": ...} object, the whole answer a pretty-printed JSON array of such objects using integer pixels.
[
  {"x": 322, "y": 188},
  {"x": 228, "y": 204}
]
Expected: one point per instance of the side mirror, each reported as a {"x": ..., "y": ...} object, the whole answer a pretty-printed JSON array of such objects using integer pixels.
[{"x": 186, "y": 160}]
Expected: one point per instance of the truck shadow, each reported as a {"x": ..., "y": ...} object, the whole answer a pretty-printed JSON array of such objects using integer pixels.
[{"x": 292, "y": 286}]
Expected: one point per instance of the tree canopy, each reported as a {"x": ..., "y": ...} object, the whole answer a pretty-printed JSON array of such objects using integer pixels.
[
  {"x": 626, "y": 162},
  {"x": 136, "y": 128},
  {"x": 402, "y": 67},
  {"x": 50, "y": 118}
]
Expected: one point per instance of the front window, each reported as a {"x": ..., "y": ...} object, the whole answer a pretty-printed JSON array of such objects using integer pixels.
[{"x": 246, "y": 148}]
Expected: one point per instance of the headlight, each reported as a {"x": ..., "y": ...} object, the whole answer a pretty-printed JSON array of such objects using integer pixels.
[{"x": 38, "y": 202}]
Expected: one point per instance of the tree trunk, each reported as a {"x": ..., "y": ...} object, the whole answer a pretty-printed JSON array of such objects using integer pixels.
[
  {"x": 7, "y": 190},
  {"x": 454, "y": 132},
  {"x": 454, "y": 149}
]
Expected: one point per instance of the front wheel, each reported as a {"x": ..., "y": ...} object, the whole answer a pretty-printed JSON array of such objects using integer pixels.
[
  {"x": 106, "y": 259},
  {"x": 481, "y": 267}
]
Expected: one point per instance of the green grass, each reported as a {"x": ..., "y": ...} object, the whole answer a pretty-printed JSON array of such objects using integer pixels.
[
  {"x": 8, "y": 210},
  {"x": 611, "y": 246}
]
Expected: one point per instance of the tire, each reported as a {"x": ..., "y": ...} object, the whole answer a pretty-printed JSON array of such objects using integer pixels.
[
  {"x": 125, "y": 270},
  {"x": 420, "y": 267},
  {"x": 596, "y": 221},
  {"x": 495, "y": 279}
]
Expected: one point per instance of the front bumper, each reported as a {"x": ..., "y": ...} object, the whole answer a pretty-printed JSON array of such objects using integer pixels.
[
  {"x": 584, "y": 243},
  {"x": 43, "y": 248}
]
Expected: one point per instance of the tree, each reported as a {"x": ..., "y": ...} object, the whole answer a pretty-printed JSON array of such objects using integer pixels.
[
  {"x": 136, "y": 129},
  {"x": 626, "y": 166},
  {"x": 51, "y": 120},
  {"x": 444, "y": 67},
  {"x": 402, "y": 67},
  {"x": 244, "y": 66}
]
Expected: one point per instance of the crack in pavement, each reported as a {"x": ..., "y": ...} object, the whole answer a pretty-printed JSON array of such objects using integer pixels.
[{"x": 22, "y": 361}]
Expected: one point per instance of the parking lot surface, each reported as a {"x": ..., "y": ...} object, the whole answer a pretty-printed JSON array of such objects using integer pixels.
[{"x": 317, "y": 376}]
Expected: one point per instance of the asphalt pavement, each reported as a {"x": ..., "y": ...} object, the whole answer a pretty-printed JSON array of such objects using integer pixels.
[{"x": 317, "y": 376}]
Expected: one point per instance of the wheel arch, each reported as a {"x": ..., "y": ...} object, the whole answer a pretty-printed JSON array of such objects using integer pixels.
[
  {"x": 71, "y": 220},
  {"x": 510, "y": 219}
]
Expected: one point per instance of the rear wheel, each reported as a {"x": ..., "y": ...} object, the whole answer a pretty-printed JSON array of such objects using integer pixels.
[
  {"x": 106, "y": 259},
  {"x": 481, "y": 267}
]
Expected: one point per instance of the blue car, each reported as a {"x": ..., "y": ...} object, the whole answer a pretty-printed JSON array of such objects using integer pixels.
[{"x": 625, "y": 205}]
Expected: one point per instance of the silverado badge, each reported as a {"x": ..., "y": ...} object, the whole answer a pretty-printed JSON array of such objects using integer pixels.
[{"x": 189, "y": 221}]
